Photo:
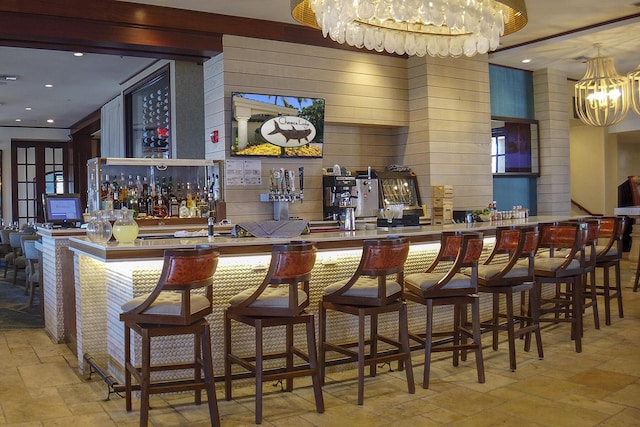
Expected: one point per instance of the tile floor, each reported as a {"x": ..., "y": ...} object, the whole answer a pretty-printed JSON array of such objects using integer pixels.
[{"x": 39, "y": 386}]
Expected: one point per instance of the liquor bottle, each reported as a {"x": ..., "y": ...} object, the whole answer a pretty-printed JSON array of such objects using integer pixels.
[
  {"x": 164, "y": 191},
  {"x": 174, "y": 207},
  {"x": 115, "y": 191},
  {"x": 124, "y": 189},
  {"x": 151, "y": 203},
  {"x": 104, "y": 189},
  {"x": 132, "y": 196},
  {"x": 189, "y": 196},
  {"x": 184, "y": 211}
]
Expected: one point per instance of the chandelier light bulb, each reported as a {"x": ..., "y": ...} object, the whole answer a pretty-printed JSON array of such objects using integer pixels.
[{"x": 442, "y": 28}]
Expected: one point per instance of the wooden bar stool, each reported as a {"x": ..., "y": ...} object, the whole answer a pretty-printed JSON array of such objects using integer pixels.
[
  {"x": 499, "y": 276},
  {"x": 280, "y": 300},
  {"x": 461, "y": 251},
  {"x": 589, "y": 289},
  {"x": 173, "y": 309},
  {"x": 369, "y": 293},
  {"x": 609, "y": 252},
  {"x": 560, "y": 260}
]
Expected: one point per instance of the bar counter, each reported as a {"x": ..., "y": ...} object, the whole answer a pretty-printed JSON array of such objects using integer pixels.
[{"x": 107, "y": 275}]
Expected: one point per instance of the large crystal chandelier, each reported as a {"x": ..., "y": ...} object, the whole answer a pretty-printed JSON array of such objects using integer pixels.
[
  {"x": 415, "y": 27},
  {"x": 602, "y": 95}
]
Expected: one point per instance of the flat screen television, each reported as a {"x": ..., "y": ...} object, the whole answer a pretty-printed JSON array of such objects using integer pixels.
[
  {"x": 62, "y": 209},
  {"x": 276, "y": 126}
]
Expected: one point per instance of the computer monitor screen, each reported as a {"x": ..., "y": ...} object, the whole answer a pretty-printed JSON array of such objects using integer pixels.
[{"x": 62, "y": 208}]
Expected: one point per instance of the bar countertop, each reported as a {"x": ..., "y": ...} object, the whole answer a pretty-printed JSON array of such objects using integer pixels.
[{"x": 152, "y": 246}]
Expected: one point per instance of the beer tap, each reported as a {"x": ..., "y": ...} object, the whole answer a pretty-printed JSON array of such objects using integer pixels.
[
  {"x": 282, "y": 191},
  {"x": 291, "y": 185},
  {"x": 369, "y": 178},
  {"x": 301, "y": 175},
  {"x": 283, "y": 185}
]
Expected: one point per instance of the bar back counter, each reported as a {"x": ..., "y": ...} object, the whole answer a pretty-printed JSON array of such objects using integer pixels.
[{"x": 107, "y": 275}]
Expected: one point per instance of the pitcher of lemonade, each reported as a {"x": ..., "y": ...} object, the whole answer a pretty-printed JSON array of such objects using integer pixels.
[{"x": 125, "y": 229}]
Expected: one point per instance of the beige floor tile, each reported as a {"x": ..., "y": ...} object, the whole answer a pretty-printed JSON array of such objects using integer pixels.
[
  {"x": 81, "y": 420},
  {"x": 625, "y": 418},
  {"x": 549, "y": 412},
  {"x": 40, "y": 386},
  {"x": 601, "y": 378},
  {"x": 628, "y": 396},
  {"x": 24, "y": 409}
]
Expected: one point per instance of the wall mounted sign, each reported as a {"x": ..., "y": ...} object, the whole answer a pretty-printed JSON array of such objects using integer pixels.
[{"x": 288, "y": 131}]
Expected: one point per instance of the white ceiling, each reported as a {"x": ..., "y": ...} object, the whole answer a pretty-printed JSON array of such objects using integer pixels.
[{"x": 82, "y": 85}]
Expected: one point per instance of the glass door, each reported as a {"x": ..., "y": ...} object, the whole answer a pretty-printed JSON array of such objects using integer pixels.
[{"x": 37, "y": 168}]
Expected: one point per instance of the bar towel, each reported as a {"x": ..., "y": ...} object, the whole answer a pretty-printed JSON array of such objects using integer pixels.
[{"x": 277, "y": 229}]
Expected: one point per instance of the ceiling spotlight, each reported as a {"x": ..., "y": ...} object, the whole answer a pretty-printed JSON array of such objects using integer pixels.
[
  {"x": 9, "y": 78},
  {"x": 50, "y": 121},
  {"x": 48, "y": 85},
  {"x": 526, "y": 61},
  {"x": 78, "y": 54},
  {"x": 18, "y": 120},
  {"x": 27, "y": 108}
]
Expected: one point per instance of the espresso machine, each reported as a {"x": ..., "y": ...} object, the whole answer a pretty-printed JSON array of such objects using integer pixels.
[{"x": 339, "y": 200}]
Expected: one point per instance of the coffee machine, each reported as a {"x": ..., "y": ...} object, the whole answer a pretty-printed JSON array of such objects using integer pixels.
[{"x": 339, "y": 199}]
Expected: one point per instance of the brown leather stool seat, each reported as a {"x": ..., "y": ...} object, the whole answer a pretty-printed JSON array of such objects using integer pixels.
[
  {"x": 280, "y": 300},
  {"x": 369, "y": 293},
  {"x": 462, "y": 251},
  {"x": 173, "y": 309}
]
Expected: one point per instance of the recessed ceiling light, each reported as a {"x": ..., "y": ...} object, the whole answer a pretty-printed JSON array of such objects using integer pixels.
[
  {"x": 27, "y": 108},
  {"x": 48, "y": 85},
  {"x": 526, "y": 61},
  {"x": 50, "y": 121},
  {"x": 18, "y": 120},
  {"x": 78, "y": 54}
]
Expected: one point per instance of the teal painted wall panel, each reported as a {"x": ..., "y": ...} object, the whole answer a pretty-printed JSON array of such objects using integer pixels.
[
  {"x": 511, "y": 92},
  {"x": 513, "y": 191}
]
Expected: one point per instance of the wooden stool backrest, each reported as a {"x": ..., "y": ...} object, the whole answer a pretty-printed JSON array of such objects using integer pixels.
[
  {"x": 183, "y": 270},
  {"x": 507, "y": 239},
  {"x": 291, "y": 263},
  {"x": 564, "y": 235},
  {"x": 380, "y": 258},
  {"x": 468, "y": 256},
  {"x": 450, "y": 243},
  {"x": 610, "y": 234},
  {"x": 383, "y": 257},
  {"x": 188, "y": 268}
]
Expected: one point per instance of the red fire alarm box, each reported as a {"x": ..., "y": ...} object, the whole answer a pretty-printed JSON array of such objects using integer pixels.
[{"x": 214, "y": 136}]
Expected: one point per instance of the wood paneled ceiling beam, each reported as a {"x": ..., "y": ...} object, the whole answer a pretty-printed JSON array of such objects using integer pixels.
[{"x": 115, "y": 27}]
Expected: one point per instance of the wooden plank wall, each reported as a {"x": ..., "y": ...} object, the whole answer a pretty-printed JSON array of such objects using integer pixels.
[
  {"x": 365, "y": 114},
  {"x": 449, "y": 138},
  {"x": 427, "y": 113}
]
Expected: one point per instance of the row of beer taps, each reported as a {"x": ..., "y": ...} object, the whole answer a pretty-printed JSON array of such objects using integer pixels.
[{"x": 282, "y": 185}]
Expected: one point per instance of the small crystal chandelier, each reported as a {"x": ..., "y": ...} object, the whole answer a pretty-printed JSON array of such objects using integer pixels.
[
  {"x": 439, "y": 28},
  {"x": 602, "y": 95}
]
